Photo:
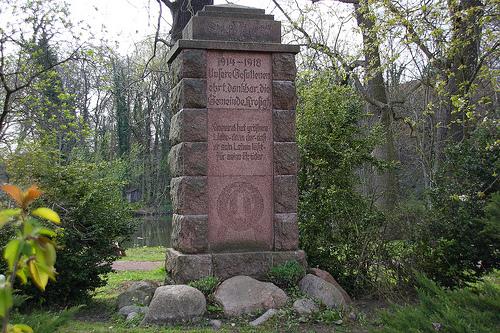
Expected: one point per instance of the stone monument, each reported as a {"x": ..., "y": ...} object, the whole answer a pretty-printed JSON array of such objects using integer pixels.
[{"x": 234, "y": 157}]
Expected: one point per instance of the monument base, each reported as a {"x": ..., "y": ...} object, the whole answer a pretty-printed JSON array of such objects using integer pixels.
[{"x": 183, "y": 268}]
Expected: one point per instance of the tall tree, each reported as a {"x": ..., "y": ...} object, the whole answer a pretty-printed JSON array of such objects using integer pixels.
[
  {"x": 181, "y": 11},
  {"x": 373, "y": 91}
]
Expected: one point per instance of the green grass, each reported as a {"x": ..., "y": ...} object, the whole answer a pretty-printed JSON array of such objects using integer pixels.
[
  {"x": 145, "y": 253},
  {"x": 472, "y": 309},
  {"x": 86, "y": 327},
  {"x": 118, "y": 280}
]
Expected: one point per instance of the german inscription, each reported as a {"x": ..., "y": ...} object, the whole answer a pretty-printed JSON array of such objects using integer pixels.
[{"x": 239, "y": 150}]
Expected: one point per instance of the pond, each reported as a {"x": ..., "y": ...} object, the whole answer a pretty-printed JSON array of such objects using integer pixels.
[{"x": 151, "y": 231}]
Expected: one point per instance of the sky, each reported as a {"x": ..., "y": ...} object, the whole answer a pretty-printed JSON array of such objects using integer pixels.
[{"x": 130, "y": 21}]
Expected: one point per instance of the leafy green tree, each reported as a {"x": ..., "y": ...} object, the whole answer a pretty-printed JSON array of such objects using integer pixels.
[
  {"x": 457, "y": 242},
  {"x": 88, "y": 197},
  {"x": 340, "y": 230}
]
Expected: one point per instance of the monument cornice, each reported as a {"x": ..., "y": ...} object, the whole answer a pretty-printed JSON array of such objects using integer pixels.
[{"x": 229, "y": 46}]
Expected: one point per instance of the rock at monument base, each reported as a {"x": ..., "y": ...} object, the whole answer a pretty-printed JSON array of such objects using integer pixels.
[
  {"x": 127, "y": 310},
  {"x": 329, "y": 278},
  {"x": 215, "y": 324},
  {"x": 265, "y": 317},
  {"x": 305, "y": 306},
  {"x": 244, "y": 295},
  {"x": 174, "y": 304},
  {"x": 139, "y": 293},
  {"x": 183, "y": 268},
  {"x": 323, "y": 291},
  {"x": 131, "y": 316}
]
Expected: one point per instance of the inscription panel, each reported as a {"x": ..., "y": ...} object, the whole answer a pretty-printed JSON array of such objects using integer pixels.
[
  {"x": 229, "y": 28},
  {"x": 239, "y": 142},
  {"x": 237, "y": 80},
  {"x": 240, "y": 151}
]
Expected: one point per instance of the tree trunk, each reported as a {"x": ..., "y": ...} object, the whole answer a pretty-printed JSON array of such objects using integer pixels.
[
  {"x": 387, "y": 180},
  {"x": 459, "y": 75},
  {"x": 181, "y": 11}
]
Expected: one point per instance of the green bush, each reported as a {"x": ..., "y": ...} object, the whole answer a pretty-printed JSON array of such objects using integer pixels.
[
  {"x": 340, "y": 230},
  {"x": 472, "y": 309},
  {"x": 88, "y": 197},
  {"x": 458, "y": 240},
  {"x": 206, "y": 285},
  {"x": 286, "y": 275}
]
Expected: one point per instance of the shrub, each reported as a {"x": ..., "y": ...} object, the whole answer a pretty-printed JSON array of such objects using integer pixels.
[
  {"x": 458, "y": 242},
  {"x": 286, "y": 275},
  {"x": 206, "y": 285},
  {"x": 340, "y": 230},
  {"x": 88, "y": 197},
  {"x": 472, "y": 309}
]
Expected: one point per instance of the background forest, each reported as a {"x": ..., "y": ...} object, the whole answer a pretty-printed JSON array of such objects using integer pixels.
[{"x": 397, "y": 127}]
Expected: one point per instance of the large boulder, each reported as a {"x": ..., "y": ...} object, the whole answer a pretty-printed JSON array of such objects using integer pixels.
[
  {"x": 305, "y": 307},
  {"x": 244, "y": 295},
  {"x": 174, "y": 304},
  {"x": 323, "y": 291},
  {"x": 329, "y": 278},
  {"x": 139, "y": 293}
]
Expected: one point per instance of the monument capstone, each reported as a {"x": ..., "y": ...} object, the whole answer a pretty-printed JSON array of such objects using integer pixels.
[{"x": 233, "y": 158}]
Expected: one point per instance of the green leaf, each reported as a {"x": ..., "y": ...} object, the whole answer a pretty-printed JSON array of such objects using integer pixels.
[
  {"x": 47, "y": 232},
  {"x": 46, "y": 213},
  {"x": 5, "y": 300},
  {"x": 38, "y": 274},
  {"x": 20, "y": 328},
  {"x": 7, "y": 214},
  {"x": 11, "y": 252}
]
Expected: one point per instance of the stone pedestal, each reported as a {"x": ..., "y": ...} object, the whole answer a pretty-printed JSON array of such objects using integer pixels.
[{"x": 234, "y": 156}]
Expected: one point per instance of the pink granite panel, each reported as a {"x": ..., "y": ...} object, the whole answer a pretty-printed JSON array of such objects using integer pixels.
[
  {"x": 240, "y": 151},
  {"x": 239, "y": 80},
  {"x": 239, "y": 142},
  {"x": 240, "y": 213}
]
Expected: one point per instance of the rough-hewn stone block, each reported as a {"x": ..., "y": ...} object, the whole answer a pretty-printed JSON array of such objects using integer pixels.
[
  {"x": 189, "y": 63},
  {"x": 183, "y": 268},
  {"x": 284, "y": 125},
  {"x": 254, "y": 264},
  {"x": 189, "y": 233},
  {"x": 188, "y": 159},
  {"x": 279, "y": 258},
  {"x": 284, "y": 96},
  {"x": 189, "y": 125},
  {"x": 286, "y": 232},
  {"x": 189, "y": 195},
  {"x": 284, "y": 67},
  {"x": 286, "y": 157},
  {"x": 232, "y": 29},
  {"x": 188, "y": 93},
  {"x": 285, "y": 194}
]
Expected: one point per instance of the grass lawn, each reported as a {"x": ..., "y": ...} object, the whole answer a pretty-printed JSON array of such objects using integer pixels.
[
  {"x": 145, "y": 253},
  {"x": 118, "y": 281}
]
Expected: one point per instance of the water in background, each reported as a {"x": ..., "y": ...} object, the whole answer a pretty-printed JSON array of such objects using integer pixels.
[{"x": 152, "y": 231}]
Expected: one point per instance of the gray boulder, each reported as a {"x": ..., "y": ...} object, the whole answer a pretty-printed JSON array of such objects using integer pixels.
[
  {"x": 323, "y": 291},
  {"x": 139, "y": 293},
  {"x": 244, "y": 295},
  {"x": 265, "y": 317},
  {"x": 131, "y": 316},
  {"x": 174, "y": 304},
  {"x": 329, "y": 278},
  {"x": 216, "y": 324},
  {"x": 305, "y": 306},
  {"x": 126, "y": 310}
]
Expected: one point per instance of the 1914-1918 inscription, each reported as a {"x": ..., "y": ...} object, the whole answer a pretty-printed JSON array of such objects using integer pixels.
[{"x": 239, "y": 150}]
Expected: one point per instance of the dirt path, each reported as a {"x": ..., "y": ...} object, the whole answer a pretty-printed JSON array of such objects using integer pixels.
[{"x": 137, "y": 265}]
